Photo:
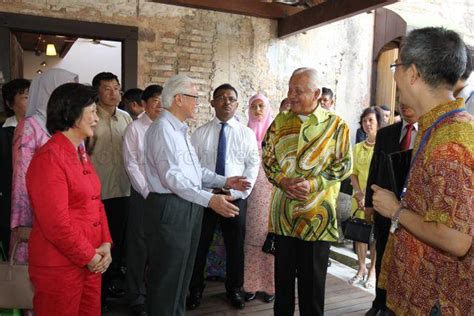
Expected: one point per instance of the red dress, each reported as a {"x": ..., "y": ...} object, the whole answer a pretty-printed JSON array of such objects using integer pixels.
[{"x": 69, "y": 223}]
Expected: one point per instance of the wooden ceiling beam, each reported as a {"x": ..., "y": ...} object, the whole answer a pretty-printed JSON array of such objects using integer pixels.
[
  {"x": 244, "y": 7},
  {"x": 325, "y": 13}
]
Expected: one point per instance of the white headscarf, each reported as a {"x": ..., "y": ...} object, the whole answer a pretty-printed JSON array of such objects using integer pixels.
[{"x": 40, "y": 90}]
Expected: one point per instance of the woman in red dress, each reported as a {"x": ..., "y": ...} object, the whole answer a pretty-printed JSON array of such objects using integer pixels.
[{"x": 69, "y": 246}]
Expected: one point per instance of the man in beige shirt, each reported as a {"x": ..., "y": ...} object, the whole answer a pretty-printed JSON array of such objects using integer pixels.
[{"x": 105, "y": 149}]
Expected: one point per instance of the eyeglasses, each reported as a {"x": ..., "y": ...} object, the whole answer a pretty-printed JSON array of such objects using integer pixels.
[
  {"x": 195, "y": 97},
  {"x": 394, "y": 66},
  {"x": 223, "y": 98}
]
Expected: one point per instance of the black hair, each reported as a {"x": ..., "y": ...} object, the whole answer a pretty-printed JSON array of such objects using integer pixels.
[
  {"x": 328, "y": 92},
  {"x": 133, "y": 95},
  {"x": 10, "y": 90},
  {"x": 438, "y": 54},
  {"x": 103, "y": 76},
  {"x": 372, "y": 110},
  {"x": 152, "y": 91},
  {"x": 224, "y": 86},
  {"x": 66, "y": 104}
]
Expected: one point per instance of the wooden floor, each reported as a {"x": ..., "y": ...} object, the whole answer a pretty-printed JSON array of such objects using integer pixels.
[{"x": 341, "y": 299}]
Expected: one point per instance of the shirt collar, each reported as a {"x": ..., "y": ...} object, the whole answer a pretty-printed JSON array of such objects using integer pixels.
[
  {"x": 429, "y": 118},
  {"x": 104, "y": 114},
  {"x": 10, "y": 122},
  {"x": 174, "y": 121},
  {"x": 319, "y": 114},
  {"x": 405, "y": 123},
  {"x": 144, "y": 118},
  {"x": 232, "y": 122}
]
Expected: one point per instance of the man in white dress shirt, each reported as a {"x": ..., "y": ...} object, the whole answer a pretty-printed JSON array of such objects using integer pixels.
[
  {"x": 241, "y": 159},
  {"x": 174, "y": 206},
  {"x": 134, "y": 159}
]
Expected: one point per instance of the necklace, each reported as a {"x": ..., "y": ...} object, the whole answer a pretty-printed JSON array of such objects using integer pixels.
[{"x": 369, "y": 143}]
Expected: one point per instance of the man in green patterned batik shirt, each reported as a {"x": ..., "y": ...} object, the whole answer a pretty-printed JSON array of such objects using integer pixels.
[{"x": 306, "y": 153}]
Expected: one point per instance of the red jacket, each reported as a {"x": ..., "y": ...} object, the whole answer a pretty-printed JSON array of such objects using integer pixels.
[{"x": 69, "y": 220}]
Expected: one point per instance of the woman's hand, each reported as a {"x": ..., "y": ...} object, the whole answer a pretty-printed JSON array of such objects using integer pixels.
[
  {"x": 95, "y": 260},
  {"x": 106, "y": 260}
]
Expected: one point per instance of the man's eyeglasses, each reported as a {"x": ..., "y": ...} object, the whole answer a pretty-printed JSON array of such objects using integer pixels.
[
  {"x": 195, "y": 97},
  {"x": 223, "y": 98},
  {"x": 394, "y": 66}
]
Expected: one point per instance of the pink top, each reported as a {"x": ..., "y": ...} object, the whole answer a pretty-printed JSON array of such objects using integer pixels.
[{"x": 28, "y": 138}]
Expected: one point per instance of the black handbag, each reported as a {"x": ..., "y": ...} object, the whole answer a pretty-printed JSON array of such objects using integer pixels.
[
  {"x": 357, "y": 229},
  {"x": 269, "y": 244}
]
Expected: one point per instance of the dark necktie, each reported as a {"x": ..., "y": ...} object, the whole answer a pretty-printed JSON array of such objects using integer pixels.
[
  {"x": 221, "y": 149},
  {"x": 406, "y": 140}
]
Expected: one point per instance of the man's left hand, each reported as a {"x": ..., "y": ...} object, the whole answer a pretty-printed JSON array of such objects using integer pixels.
[
  {"x": 238, "y": 183},
  {"x": 384, "y": 201}
]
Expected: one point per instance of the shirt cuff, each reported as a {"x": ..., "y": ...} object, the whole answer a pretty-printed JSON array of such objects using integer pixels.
[
  {"x": 203, "y": 198},
  {"x": 220, "y": 181}
]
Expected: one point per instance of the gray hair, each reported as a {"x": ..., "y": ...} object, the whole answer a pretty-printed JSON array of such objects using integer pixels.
[
  {"x": 175, "y": 85},
  {"x": 312, "y": 75},
  {"x": 438, "y": 54}
]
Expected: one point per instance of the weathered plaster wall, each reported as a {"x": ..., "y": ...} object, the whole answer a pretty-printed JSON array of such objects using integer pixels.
[{"x": 214, "y": 48}]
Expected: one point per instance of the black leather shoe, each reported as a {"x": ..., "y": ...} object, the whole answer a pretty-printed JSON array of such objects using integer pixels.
[
  {"x": 236, "y": 299},
  {"x": 115, "y": 292},
  {"x": 194, "y": 299},
  {"x": 139, "y": 310},
  {"x": 268, "y": 298},
  {"x": 250, "y": 296}
]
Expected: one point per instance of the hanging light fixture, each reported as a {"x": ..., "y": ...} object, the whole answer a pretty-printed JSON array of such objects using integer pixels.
[{"x": 50, "y": 50}]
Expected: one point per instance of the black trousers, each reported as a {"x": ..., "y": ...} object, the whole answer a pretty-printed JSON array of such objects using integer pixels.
[
  {"x": 381, "y": 232},
  {"x": 172, "y": 228},
  {"x": 310, "y": 259},
  {"x": 136, "y": 250},
  {"x": 233, "y": 231},
  {"x": 117, "y": 211}
]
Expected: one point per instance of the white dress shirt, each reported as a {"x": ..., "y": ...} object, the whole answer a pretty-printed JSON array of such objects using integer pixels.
[
  {"x": 242, "y": 157},
  {"x": 133, "y": 154},
  {"x": 413, "y": 133},
  {"x": 171, "y": 163},
  {"x": 10, "y": 122},
  {"x": 467, "y": 93}
]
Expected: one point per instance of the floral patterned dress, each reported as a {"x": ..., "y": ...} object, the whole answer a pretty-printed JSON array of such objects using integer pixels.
[
  {"x": 28, "y": 138},
  {"x": 258, "y": 266}
]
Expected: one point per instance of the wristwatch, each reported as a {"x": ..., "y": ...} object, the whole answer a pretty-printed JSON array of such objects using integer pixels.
[{"x": 396, "y": 219}]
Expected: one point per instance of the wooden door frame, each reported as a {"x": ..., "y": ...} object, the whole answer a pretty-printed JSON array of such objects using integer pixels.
[
  {"x": 389, "y": 28},
  {"x": 127, "y": 35}
]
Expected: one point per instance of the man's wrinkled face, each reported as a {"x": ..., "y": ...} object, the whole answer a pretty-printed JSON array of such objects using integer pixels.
[
  {"x": 303, "y": 98},
  {"x": 109, "y": 93}
]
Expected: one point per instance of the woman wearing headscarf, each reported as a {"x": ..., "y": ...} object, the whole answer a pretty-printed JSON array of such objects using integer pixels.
[
  {"x": 30, "y": 135},
  {"x": 258, "y": 273},
  {"x": 69, "y": 245}
]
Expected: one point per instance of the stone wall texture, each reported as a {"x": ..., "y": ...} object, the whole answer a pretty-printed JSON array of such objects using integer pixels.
[{"x": 215, "y": 48}]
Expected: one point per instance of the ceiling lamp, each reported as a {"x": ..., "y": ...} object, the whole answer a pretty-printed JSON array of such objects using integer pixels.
[{"x": 50, "y": 50}]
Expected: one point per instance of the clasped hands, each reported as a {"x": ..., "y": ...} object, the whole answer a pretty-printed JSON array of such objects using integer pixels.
[
  {"x": 101, "y": 260},
  {"x": 296, "y": 188},
  {"x": 221, "y": 203}
]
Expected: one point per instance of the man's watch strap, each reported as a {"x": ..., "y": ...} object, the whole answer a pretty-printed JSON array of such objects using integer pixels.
[{"x": 396, "y": 219}]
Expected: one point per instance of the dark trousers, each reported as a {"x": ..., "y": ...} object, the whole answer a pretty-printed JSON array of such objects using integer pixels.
[
  {"x": 116, "y": 210},
  {"x": 310, "y": 259},
  {"x": 381, "y": 232},
  {"x": 233, "y": 231},
  {"x": 136, "y": 250},
  {"x": 172, "y": 228}
]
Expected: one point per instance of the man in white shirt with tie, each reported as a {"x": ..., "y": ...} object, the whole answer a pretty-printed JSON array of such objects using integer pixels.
[
  {"x": 174, "y": 206},
  {"x": 230, "y": 148},
  {"x": 134, "y": 160}
]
